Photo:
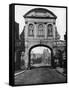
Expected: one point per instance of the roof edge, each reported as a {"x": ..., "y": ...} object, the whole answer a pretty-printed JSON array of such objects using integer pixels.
[{"x": 35, "y": 9}]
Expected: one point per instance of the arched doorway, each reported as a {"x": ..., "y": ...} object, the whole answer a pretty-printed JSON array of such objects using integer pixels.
[{"x": 40, "y": 55}]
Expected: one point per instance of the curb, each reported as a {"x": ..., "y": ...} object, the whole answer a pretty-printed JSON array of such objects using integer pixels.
[
  {"x": 61, "y": 73},
  {"x": 19, "y": 73}
]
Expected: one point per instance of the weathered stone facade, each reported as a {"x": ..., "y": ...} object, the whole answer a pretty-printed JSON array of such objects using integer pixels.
[{"x": 40, "y": 28}]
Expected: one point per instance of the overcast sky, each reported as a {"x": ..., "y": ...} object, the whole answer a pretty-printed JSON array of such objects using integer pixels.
[
  {"x": 20, "y": 11},
  {"x": 39, "y": 50}
]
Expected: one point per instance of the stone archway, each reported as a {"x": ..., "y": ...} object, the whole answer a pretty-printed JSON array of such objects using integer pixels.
[{"x": 43, "y": 58}]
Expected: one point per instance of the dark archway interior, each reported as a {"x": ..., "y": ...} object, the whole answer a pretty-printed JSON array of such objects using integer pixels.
[{"x": 40, "y": 55}]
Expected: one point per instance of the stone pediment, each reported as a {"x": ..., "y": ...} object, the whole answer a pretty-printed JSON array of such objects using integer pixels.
[{"x": 40, "y": 13}]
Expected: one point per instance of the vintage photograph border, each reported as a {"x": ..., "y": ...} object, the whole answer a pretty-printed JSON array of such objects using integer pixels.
[{"x": 12, "y": 41}]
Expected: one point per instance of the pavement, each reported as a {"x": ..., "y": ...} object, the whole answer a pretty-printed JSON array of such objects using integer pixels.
[{"x": 39, "y": 76}]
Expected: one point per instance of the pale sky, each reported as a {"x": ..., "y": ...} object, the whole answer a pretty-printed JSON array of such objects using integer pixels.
[
  {"x": 20, "y": 11},
  {"x": 39, "y": 50}
]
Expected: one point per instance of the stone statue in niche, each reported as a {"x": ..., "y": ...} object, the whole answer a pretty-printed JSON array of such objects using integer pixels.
[
  {"x": 40, "y": 30},
  {"x": 31, "y": 30},
  {"x": 50, "y": 30}
]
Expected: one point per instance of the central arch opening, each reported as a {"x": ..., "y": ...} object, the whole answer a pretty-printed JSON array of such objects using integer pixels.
[{"x": 40, "y": 55}]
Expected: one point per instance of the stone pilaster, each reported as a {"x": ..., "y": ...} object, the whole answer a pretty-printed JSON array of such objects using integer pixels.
[{"x": 45, "y": 28}]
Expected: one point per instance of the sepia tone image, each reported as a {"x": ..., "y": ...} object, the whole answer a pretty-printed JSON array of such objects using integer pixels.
[{"x": 40, "y": 45}]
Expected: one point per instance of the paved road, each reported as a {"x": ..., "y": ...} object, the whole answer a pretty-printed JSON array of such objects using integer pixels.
[{"x": 39, "y": 75}]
